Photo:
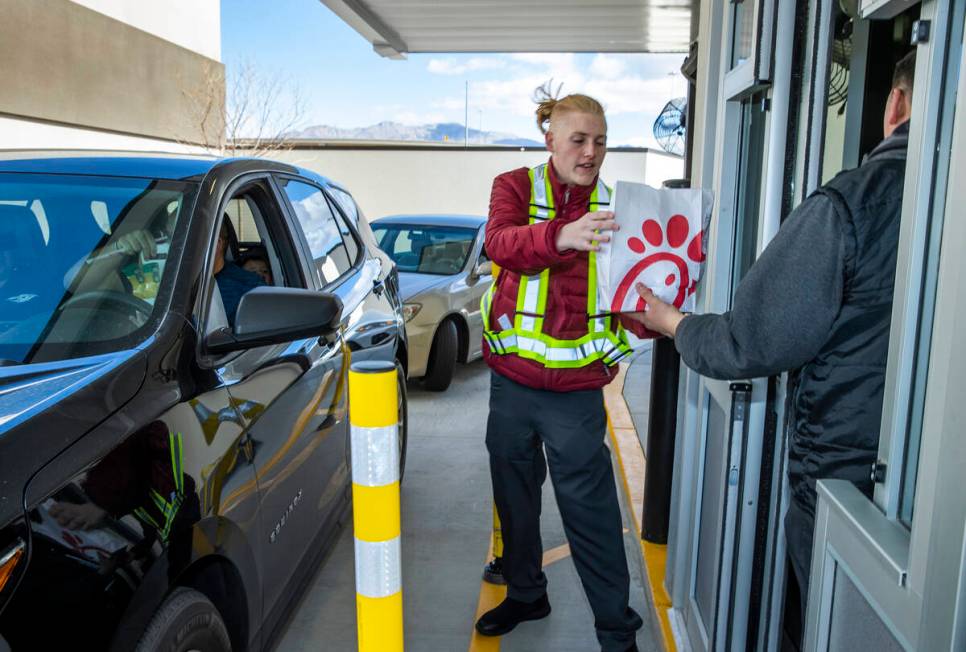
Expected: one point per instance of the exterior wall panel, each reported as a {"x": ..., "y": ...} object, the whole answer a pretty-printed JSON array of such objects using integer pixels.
[
  {"x": 442, "y": 180},
  {"x": 66, "y": 64}
]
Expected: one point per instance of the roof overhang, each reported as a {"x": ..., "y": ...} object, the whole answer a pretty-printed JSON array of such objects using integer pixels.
[{"x": 398, "y": 27}]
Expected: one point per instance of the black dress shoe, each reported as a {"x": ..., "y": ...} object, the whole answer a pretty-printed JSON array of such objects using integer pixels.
[{"x": 510, "y": 613}]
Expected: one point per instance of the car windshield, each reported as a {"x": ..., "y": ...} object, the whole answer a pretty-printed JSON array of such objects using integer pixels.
[
  {"x": 426, "y": 249},
  {"x": 83, "y": 262}
]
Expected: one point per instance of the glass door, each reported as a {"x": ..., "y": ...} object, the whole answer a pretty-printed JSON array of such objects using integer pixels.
[{"x": 729, "y": 457}]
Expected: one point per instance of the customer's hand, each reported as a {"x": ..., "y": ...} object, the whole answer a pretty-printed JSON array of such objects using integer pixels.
[
  {"x": 586, "y": 233},
  {"x": 658, "y": 316},
  {"x": 136, "y": 242}
]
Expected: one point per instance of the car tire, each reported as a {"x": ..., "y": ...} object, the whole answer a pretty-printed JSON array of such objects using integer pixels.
[
  {"x": 403, "y": 417},
  {"x": 186, "y": 621},
  {"x": 442, "y": 358}
]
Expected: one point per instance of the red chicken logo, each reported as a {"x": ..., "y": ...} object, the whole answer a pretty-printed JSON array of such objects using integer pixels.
[{"x": 665, "y": 249}]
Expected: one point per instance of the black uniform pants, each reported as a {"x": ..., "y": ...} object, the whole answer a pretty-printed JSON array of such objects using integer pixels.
[{"x": 571, "y": 426}]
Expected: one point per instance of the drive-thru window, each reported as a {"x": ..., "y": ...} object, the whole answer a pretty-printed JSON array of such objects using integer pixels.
[{"x": 821, "y": 103}]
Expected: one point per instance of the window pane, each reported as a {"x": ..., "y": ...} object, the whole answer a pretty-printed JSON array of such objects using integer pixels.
[
  {"x": 750, "y": 153},
  {"x": 321, "y": 230},
  {"x": 352, "y": 247},
  {"x": 84, "y": 262},
  {"x": 744, "y": 25},
  {"x": 347, "y": 204},
  {"x": 931, "y": 275},
  {"x": 426, "y": 249}
]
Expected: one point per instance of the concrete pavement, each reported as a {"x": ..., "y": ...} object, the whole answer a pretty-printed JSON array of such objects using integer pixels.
[{"x": 446, "y": 511}]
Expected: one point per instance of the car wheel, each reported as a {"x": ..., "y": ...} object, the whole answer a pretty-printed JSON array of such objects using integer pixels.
[
  {"x": 186, "y": 621},
  {"x": 403, "y": 410},
  {"x": 442, "y": 358}
]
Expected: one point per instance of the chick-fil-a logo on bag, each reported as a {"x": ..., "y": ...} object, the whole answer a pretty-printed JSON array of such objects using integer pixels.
[
  {"x": 660, "y": 243},
  {"x": 671, "y": 253}
]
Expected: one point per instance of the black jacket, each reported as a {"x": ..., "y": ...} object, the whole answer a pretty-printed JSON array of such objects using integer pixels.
[{"x": 818, "y": 303}]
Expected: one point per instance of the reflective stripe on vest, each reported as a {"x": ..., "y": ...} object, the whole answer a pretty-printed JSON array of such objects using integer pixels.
[
  {"x": 167, "y": 510},
  {"x": 526, "y": 338}
]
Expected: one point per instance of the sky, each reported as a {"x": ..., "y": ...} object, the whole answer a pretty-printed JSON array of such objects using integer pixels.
[{"x": 343, "y": 83}]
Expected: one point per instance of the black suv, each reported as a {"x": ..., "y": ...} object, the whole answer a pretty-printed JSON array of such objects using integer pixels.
[{"x": 175, "y": 337}]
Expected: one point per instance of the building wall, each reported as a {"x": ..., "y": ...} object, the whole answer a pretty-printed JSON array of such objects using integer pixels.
[
  {"x": 192, "y": 24},
  {"x": 19, "y": 133},
  {"x": 444, "y": 180},
  {"x": 67, "y": 66}
]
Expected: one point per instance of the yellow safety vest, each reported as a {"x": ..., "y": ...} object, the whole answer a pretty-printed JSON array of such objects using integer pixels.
[{"x": 525, "y": 337}]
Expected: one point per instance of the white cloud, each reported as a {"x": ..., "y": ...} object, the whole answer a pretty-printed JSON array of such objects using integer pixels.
[
  {"x": 632, "y": 87},
  {"x": 605, "y": 66},
  {"x": 634, "y": 94},
  {"x": 452, "y": 67}
]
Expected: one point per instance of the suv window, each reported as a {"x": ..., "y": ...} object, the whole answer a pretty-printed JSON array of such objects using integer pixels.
[
  {"x": 253, "y": 249},
  {"x": 84, "y": 262},
  {"x": 322, "y": 230},
  {"x": 345, "y": 207},
  {"x": 351, "y": 209},
  {"x": 239, "y": 211}
]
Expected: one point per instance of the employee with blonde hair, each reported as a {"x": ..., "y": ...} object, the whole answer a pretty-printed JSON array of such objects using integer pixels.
[{"x": 551, "y": 352}]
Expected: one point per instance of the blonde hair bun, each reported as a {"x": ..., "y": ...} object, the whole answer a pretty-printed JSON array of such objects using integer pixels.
[{"x": 548, "y": 104}]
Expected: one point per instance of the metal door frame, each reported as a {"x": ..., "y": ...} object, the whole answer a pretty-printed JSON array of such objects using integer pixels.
[
  {"x": 913, "y": 578},
  {"x": 718, "y": 139}
]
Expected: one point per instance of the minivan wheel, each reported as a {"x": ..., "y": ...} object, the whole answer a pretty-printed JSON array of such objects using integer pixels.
[
  {"x": 403, "y": 411},
  {"x": 187, "y": 621},
  {"x": 442, "y": 358}
]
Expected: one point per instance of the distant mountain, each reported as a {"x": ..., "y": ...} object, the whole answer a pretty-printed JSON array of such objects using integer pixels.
[{"x": 451, "y": 132}]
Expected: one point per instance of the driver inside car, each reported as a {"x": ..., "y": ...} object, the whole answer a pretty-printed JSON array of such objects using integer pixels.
[{"x": 233, "y": 281}]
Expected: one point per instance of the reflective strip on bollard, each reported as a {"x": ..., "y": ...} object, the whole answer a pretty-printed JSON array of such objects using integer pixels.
[
  {"x": 375, "y": 455},
  {"x": 374, "y": 415},
  {"x": 378, "y": 567}
]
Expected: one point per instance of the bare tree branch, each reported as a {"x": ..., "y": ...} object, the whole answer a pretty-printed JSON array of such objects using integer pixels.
[{"x": 249, "y": 113}]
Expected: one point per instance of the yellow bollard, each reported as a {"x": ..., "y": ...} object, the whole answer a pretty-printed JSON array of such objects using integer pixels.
[
  {"x": 373, "y": 415},
  {"x": 497, "y": 535}
]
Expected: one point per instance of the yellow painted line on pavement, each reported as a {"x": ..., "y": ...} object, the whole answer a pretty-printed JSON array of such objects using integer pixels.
[
  {"x": 625, "y": 444},
  {"x": 555, "y": 554},
  {"x": 630, "y": 461}
]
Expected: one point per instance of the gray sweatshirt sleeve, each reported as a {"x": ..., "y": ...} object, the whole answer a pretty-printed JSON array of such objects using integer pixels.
[{"x": 784, "y": 307}]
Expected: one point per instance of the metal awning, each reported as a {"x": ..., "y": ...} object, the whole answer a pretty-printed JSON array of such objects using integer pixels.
[{"x": 397, "y": 27}]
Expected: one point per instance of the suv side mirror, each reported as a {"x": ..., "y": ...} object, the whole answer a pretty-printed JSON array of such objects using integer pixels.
[
  {"x": 273, "y": 315},
  {"x": 482, "y": 269}
]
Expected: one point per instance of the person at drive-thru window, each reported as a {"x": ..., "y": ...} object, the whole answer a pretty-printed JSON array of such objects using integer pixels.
[
  {"x": 818, "y": 303},
  {"x": 551, "y": 353}
]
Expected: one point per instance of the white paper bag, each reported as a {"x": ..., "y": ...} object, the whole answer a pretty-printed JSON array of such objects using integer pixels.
[{"x": 660, "y": 243}]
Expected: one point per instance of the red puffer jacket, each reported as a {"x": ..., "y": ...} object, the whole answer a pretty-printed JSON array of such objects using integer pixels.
[{"x": 520, "y": 248}]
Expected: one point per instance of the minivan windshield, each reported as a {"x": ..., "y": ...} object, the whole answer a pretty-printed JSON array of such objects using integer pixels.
[
  {"x": 84, "y": 262},
  {"x": 426, "y": 249}
]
